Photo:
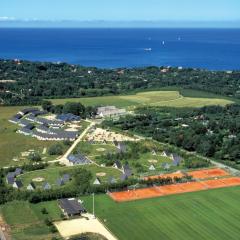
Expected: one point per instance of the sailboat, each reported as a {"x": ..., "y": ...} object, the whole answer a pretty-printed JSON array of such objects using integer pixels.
[{"x": 147, "y": 49}]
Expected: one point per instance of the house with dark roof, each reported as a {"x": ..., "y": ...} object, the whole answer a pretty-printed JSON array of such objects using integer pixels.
[
  {"x": 152, "y": 168},
  {"x": 18, "y": 184},
  {"x": 112, "y": 180},
  {"x": 46, "y": 186},
  {"x": 97, "y": 182},
  {"x": 18, "y": 171},
  {"x": 78, "y": 159},
  {"x": 127, "y": 171},
  {"x": 121, "y": 147},
  {"x": 15, "y": 119},
  {"x": 23, "y": 123},
  {"x": 117, "y": 164},
  {"x": 66, "y": 177},
  {"x": 60, "y": 182},
  {"x": 27, "y": 130},
  {"x": 10, "y": 178},
  {"x": 123, "y": 177},
  {"x": 71, "y": 207},
  {"x": 28, "y": 110},
  {"x": 68, "y": 117},
  {"x": 166, "y": 166},
  {"x": 31, "y": 186},
  {"x": 166, "y": 154},
  {"x": 176, "y": 159}
]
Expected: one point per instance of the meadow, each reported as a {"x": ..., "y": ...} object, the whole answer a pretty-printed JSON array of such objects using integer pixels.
[
  {"x": 27, "y": 221},
  {"x": 163, "y": 98},
  {"x": 212, "y": 214},
  {"x": 51, "y": 174}
]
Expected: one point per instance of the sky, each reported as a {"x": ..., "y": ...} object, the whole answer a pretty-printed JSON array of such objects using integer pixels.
[{"x": 119, "y": 10}]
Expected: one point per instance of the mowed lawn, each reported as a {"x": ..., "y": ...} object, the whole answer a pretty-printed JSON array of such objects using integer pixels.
[
  {"x": 52, "y": 174},
  {"x": 213, "y": 214},
  {"x": 13, "y": 144},
  {"x": 153, "y": 98},
  {"x": 27, "y": 221}
]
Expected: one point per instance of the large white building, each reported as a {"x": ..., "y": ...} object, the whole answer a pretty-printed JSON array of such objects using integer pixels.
[{"x": 110, "y": 111}]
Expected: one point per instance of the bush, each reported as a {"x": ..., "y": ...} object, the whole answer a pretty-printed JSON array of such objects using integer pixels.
[
  {"x": 35, "y": 157},
  {"x": 44, "y": 211},
  {"x": 56, "y": 149}
]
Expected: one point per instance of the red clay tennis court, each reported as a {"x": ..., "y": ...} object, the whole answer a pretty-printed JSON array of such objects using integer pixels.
[
  {"x": 208, "y": 173},
  {"x": 174, "y": 189},
  {"x": 198, "y": 174}
]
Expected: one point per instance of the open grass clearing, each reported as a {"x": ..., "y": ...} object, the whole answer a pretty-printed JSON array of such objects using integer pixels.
[
  {"x": 212, "y": 214},
  {"x": 27, "y": 221},
  {"x": 171, "y": 98},
  {"x": 51, "y": 174}
]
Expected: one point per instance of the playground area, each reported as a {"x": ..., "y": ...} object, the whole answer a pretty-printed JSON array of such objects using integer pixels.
[
  {"x": 86, "y": 224},
  {"x": 102, "y": 135}
]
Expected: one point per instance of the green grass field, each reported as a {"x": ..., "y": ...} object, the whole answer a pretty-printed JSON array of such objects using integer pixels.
[
  {"x": 213, "y": 214},
  {"x": 51, "y": 174},
  {"x": 172, "y": 98},
  {"x": 13, "y": 144},
  {"x": 27, "y": 221}
]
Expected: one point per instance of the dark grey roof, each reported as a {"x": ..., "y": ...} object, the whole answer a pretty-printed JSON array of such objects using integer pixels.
[
  {"x": 29, "y": 110},
  {"x": 78, "y": 159},
  {"x": 127, "y": 171},
  {"x": 118, "y": 164},
  {"x": 24, "y": 122},
  {"x": 31, "y": 118},
  {"x": 176, "y": 159},
  {"x": 14, "y": 120},
  {"x": 68, "y": 117},
  {"x": 66, "y": 177},
  {"x": 121, "y": 147},
  {"x": 167, "y": 153},
  {"x": 18, "y": 171},
  {"x": 37, "y": 113},
  {"x": 26, "y": 131},
  {"x": 112, "y": 180},
  {"x": 32, "y": 185},
  {"x": 18, "y": 116},
  {"x": 46, "y": 186},
  {"x": 10, "y": 177},
  {"x": 19, "y": 183},
  {"x": 60, "y": 182},
  {"x": 124, "y": 177},
  {"x": 71, "y": 207}
]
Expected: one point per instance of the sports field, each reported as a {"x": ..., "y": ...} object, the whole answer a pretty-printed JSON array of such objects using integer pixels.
[
  {"x": 152, "y": 98},
  {"x": 179, "y": 188},
  {"x": 197, "y": 174},
  {"x": 205, "y": 215}
]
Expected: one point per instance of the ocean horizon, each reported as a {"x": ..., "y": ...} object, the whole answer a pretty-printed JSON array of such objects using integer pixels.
[{"x": 213, "y": 49}]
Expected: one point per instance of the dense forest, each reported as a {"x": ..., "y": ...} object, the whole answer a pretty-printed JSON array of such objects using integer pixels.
[
  {"x": 211, "y": 131},
  {"x": 23, "y": 82}
]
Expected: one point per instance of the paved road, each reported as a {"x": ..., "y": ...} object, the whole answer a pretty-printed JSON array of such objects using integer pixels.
[{"x": 63, "y": 159}]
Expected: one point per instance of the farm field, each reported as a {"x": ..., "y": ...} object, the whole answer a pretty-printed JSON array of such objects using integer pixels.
[
  {"x": 27, "y": 221},
  {"x": 154, "y": 98},
  {"x": 205, "y": 215}
]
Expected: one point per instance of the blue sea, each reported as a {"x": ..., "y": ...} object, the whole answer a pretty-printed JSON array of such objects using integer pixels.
[{"x": 216, "y": 49}]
